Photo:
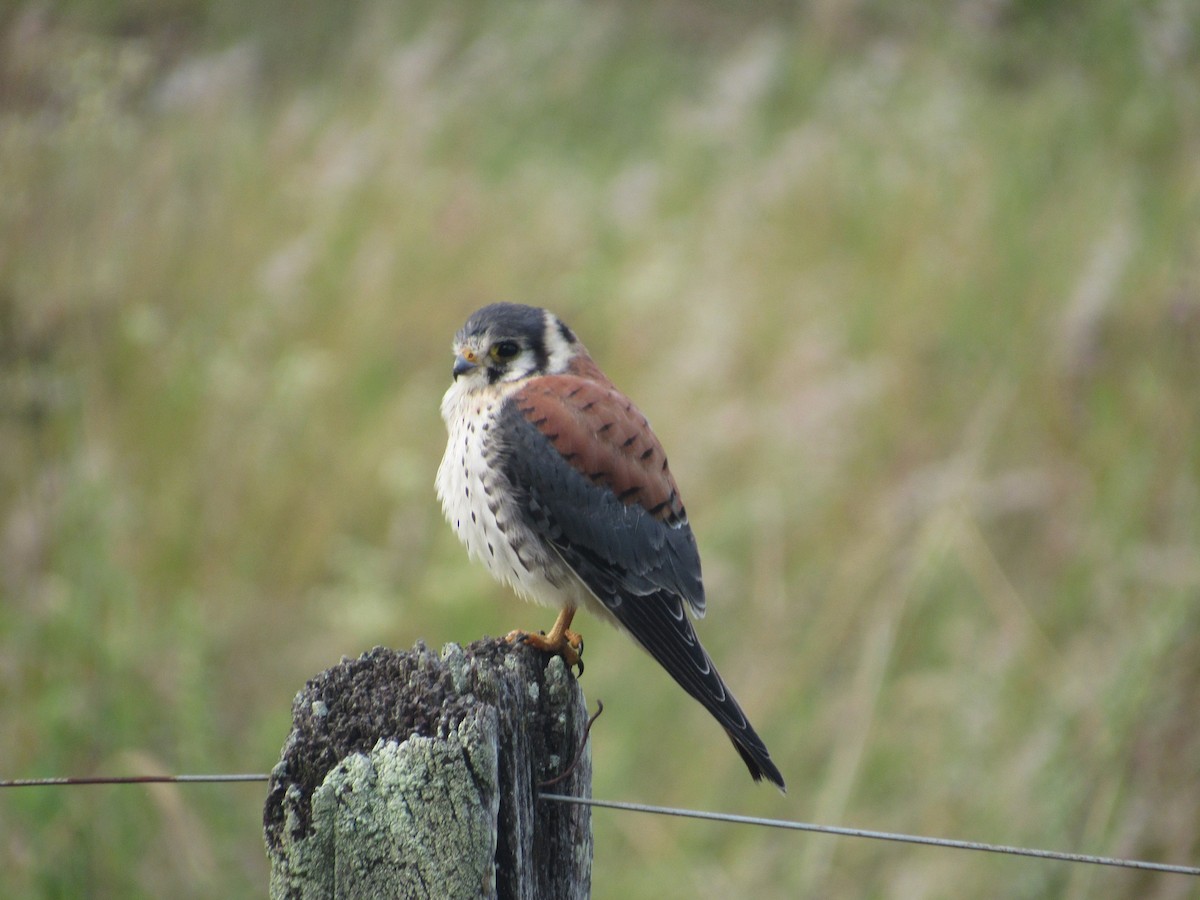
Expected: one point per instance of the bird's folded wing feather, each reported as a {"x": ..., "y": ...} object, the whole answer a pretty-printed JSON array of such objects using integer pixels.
[{"x": 595, "y": 481}]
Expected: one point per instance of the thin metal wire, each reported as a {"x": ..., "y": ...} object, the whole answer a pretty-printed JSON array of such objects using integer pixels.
[
  {"x": 132, "y": 779},
  {"x": 879, "y": 835},
  {"x": 671, "y": 811}
]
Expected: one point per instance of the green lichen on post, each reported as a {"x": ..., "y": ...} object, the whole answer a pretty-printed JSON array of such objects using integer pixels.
[{"x": 411, "y": 819}]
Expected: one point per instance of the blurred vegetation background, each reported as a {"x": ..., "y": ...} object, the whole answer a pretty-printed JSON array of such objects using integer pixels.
[{"x": 911, "y": 293}]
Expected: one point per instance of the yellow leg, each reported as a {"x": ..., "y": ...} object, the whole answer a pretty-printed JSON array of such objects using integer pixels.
[{"x": 561, "y": 641}]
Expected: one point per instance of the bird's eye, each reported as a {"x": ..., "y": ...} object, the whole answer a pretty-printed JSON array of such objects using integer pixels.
[{"x": 502, "y": 351}]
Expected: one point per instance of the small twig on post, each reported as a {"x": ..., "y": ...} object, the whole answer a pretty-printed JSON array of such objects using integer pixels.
[
  {"x": 566, "y": 773},
  {"x": 414, "y": 775}
]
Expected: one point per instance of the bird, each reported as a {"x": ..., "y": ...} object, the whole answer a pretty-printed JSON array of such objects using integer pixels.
[{"x": 554, "y": 480}]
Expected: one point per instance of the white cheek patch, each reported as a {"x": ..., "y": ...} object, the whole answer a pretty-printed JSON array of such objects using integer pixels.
[
  {"x": 559, "y": 350},
  {"x": 521, "y": 367}
]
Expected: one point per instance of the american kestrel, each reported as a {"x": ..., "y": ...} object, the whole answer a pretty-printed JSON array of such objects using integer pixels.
[{"x": 553, "y": 479}]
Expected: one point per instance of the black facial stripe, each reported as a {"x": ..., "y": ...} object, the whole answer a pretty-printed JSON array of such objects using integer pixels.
[{"x": 538, "y": 345}]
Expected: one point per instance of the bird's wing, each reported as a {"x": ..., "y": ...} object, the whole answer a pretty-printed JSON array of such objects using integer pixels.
[
  {"x": 598, "y": 485},
  {"x": 592, "y": 479}
]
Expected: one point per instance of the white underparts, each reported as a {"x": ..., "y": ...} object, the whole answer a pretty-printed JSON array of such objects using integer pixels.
[{"x": 478, "y": 503}]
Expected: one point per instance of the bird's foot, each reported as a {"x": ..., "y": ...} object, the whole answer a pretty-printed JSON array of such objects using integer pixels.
[{"x": 566, "y": 644}]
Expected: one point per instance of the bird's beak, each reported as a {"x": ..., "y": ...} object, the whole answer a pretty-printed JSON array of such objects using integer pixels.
[{"x": 463, "y": 362}]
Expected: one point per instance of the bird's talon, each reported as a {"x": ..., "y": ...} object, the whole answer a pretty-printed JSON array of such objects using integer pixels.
[
  {"x": 574, "y": 640},
  {"x": 564, "y": 643}
]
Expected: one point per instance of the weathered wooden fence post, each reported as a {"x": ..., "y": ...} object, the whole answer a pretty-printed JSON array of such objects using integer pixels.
[{"x": 409, "y": 774}]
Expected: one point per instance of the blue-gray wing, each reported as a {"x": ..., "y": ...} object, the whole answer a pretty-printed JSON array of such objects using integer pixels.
[{"x": 590, "y": 479}]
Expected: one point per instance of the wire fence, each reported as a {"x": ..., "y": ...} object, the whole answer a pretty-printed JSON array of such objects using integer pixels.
[
  {"x": 948, "y": 843},
  {"x": 729, "y": 818}
]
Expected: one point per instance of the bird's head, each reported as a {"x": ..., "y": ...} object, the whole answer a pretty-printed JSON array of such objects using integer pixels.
[{"x": 510, "y": 342}]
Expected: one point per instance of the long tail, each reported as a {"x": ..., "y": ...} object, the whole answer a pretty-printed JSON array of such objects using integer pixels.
[{"x": 659, "y": 623}]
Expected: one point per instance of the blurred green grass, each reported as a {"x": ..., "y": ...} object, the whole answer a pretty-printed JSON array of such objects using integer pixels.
[{"x": 911, "y": 295}]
